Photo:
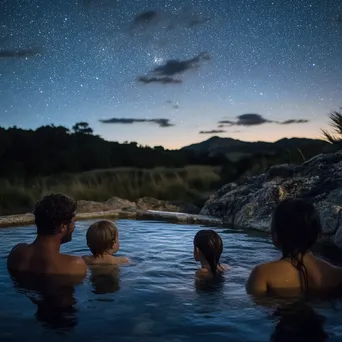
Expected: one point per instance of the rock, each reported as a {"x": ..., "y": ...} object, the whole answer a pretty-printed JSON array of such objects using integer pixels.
[
  {"x": 145, "y": 203},
  {"x": 250, "y": 203},
  {"x": 148, "y": 203},
  {"x": 114, "y": 203},
  {"x": 16, "y": 220},
  {"x": 147, "y": 208}
]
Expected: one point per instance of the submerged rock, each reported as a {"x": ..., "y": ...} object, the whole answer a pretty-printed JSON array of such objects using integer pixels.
[
  {"x": 250, "y": 202},
  {"x": 148, "y": 203},
  {"x": 145, "y": 203},
  {"x": 114, "y": 203}
]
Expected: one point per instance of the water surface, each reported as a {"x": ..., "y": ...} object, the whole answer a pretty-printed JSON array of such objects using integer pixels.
[{"x": 157, "y": 299}]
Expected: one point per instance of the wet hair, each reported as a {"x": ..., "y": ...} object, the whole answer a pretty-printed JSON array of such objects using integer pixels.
[
  {"x": 100, "y": 237},
  {"x": 52, "y": 211},
  {"x": 296, "y": 227},
  {"x": 210, "y": 245}
]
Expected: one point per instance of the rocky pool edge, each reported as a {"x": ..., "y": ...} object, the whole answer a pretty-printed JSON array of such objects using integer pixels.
[{"x": 172, "y": 217}]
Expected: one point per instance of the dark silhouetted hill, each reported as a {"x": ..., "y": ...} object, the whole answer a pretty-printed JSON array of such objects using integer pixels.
[{"x": 236, "y": 149}]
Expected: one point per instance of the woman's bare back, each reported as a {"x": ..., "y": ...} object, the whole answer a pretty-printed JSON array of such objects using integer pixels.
[{"x": 282, "y": 276}]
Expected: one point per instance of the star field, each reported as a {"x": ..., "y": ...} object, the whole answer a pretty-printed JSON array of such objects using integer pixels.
[{"x": 108, "y": 62}]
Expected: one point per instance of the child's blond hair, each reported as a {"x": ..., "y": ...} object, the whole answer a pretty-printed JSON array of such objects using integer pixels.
[{"x": 101, "y": 236}]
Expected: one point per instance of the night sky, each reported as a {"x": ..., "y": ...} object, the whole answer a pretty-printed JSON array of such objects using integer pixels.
[{"x": 172, "y": 72}]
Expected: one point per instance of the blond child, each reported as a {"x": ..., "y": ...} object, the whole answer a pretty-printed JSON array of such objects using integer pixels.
[{"x": 103, "y": 241}]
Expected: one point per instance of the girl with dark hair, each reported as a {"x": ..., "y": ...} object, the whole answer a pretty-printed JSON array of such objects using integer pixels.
[
  {"x": 295, "y": 228},
  {"x": 208, "y": 248}
]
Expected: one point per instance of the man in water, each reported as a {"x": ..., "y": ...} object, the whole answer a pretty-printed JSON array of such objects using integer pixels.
[{"x": 55, "y": 217}]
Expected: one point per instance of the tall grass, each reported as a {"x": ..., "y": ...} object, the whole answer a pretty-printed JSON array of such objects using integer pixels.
[{"x": 189, "y": 184}]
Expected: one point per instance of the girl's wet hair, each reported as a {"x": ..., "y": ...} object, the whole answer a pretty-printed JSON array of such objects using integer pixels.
[
  {"x": 210, "y": 245},
  {"x": 295, "y": 228}
]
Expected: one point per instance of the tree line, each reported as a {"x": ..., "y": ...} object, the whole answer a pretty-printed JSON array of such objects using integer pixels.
[
  {"x": 51, "y": 149},
  {"x": 56, "y": 149}
]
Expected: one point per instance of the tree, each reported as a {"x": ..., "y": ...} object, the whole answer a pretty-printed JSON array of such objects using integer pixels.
[
  {"x": 336, "y": 123},
  {"x": 82, "y": 128}
]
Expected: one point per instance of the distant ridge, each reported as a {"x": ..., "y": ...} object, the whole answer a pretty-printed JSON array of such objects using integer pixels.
[{"x": 235, "y": 149}]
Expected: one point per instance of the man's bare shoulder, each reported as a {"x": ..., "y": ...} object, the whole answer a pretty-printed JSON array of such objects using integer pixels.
[
  {"x": 76, "y": 264},
  {"x": 19, "y": 248},
  {"x": 16, "y": 254}
]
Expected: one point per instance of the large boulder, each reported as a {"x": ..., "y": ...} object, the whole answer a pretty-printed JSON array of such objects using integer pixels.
[{"x": 250, "y": 202}]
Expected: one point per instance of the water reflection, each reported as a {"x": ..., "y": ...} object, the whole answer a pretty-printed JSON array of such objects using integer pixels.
[
  {"x": 54, "y": 297},
  {"x": 298, "y": 322},
  {"x": 105, "y": 279},
  {"x": 215, "y": 284}
]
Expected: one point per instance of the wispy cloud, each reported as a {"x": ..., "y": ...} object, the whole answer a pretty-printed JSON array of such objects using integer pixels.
[
  {"x": 293, "y": 121},
  {"x": 176, "y": 66},
  {"x": 160, "y": 122},
  {"x": 253, "y": 119},
  {"x": 168, "y": 20},
  {"x": 162, "y": 80},
  {"x": 19, "y": 53},
  {"x": 214, "y": 131},
  {"x": 245, "y": 120},
  {"x": 145, "y": 18},
  {"x": 165, "y": 73},
  {"x": 198, "y": 21}
]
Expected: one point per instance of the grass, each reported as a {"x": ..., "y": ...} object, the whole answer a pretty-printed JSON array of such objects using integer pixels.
[{"x": 189, "y": 184}]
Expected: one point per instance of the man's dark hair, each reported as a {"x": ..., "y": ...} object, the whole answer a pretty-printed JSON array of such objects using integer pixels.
[{"x": 52, "y": 211}]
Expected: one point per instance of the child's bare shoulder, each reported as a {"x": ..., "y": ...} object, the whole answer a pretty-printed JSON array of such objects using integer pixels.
[
  {"x": 120, "y": 261},
  {"x": 88, "y": 259}
]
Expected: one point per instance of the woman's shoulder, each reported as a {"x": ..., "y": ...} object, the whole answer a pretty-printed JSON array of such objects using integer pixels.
[{"x": 203, "y": 273}]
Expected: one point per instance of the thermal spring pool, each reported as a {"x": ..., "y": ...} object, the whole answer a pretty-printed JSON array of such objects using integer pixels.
[{"x": 157, "y": 298}]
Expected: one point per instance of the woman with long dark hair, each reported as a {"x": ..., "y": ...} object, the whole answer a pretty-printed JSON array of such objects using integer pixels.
[
  {"x": 295, "y": 228},
  {"x": 208, "y": 248}
]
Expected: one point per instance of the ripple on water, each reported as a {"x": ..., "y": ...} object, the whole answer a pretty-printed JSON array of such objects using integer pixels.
[{"x": 157, "y": 298}]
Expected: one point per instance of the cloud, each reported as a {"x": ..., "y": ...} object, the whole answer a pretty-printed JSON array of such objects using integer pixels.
[
  {"x": 162, "y": 80},
  {"x": 159, "y": 122},
  {"x": 214, "y": 131},
  {"x": 165, "y": 73},
  {"x": 19, "y": 53},
  {"x": 198, "y": 21},
  {"x": 145, "y": 18},
  {"x": 293, "y": 121},
  {"x": 168, "y": 20},
  {"x": 252, "y": 119},
  {"x": 246, "y": 120},
  {"x": 176, "y": 66}
]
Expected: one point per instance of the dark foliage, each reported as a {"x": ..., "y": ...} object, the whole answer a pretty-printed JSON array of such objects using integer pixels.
[{"x": 54, "y": 149}]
